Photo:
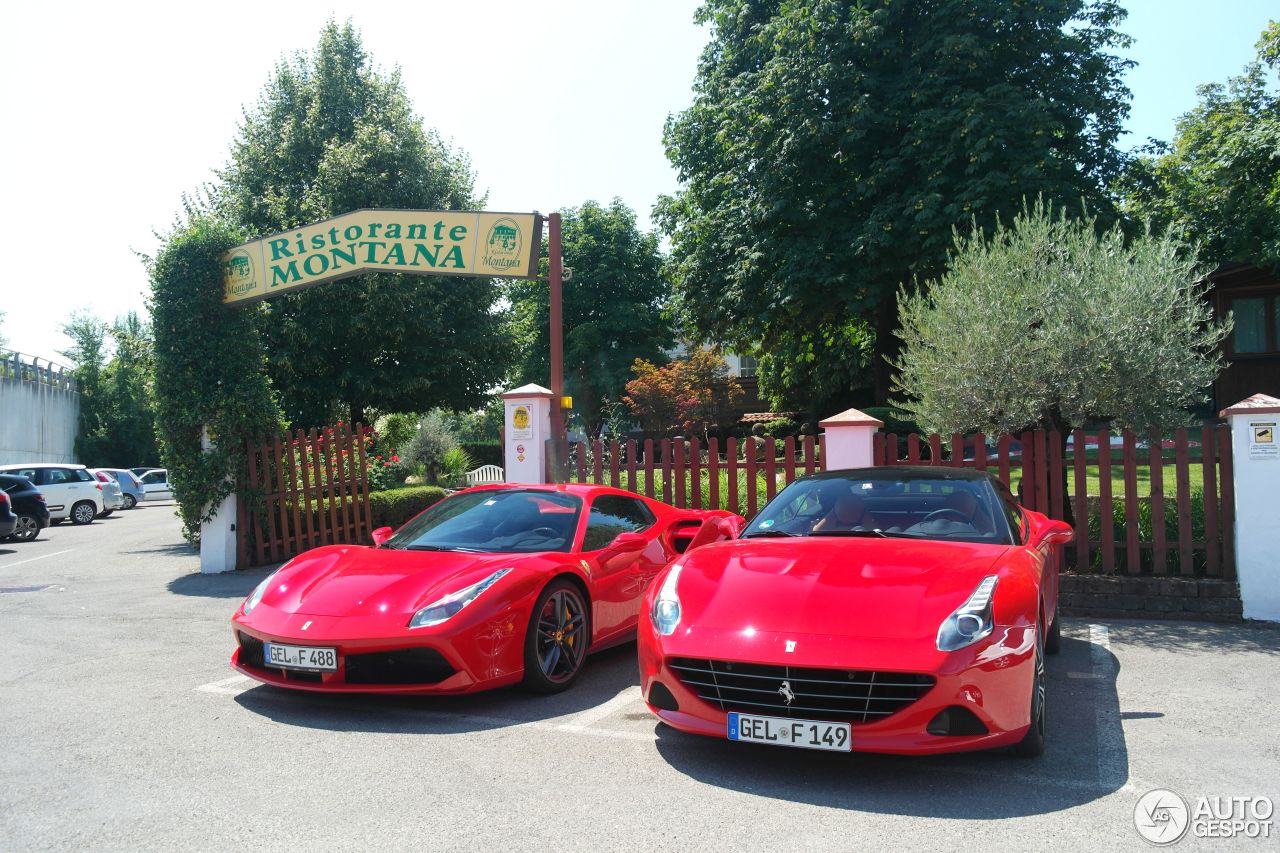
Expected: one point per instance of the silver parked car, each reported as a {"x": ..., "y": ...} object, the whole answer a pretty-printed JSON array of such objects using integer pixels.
[
  {"x": 130, "y": 485},
  {"x": 112, "y": 494}
]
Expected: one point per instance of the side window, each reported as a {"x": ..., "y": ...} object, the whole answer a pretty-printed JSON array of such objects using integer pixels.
[
  {"x": 31, "y": 474},
  {"x": 614, "y": 514},
  {"x": 153, "y": 477},
  {"x": 57, "y": 476},
  {"x": 83, "y": 475}
]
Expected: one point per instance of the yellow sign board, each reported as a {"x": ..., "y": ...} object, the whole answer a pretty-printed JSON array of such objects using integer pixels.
[{"x": 425, "y": 242}]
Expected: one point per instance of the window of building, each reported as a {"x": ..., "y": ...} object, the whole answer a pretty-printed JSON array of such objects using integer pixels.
[
  {"x": 1249, "y": 334},
  {"x": 746, "y": 367}
]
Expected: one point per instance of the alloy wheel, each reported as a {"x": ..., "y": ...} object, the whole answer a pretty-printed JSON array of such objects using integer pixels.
[
  {"x": 561, "y": 642},
  {"x": 28, "y": 528}
]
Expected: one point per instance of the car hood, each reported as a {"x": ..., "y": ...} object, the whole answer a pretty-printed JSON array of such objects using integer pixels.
[
  {"x": 855, "y": 588},
  {"x": 351, "y": 580}
]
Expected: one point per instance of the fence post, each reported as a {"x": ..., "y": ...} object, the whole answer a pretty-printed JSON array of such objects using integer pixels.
[
  {"x": 527, "y": 430},
  {"x": 1255, "y": 451},
  {"x": 218, "y": 534},
  {"x": 849, "y": 440}
]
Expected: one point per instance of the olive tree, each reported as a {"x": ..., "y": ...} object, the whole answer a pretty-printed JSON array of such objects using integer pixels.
[{"x": 1049, "y": 323}]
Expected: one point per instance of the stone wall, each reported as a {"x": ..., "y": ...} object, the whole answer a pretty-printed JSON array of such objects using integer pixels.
[{"x": 1118, "y": 597}]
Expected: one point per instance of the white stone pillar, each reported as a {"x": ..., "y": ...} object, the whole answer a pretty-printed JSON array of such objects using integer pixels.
[
  {"x": 849, "y": 440},
  {"x": 218, "y": 534},
  {"x": 526, "y": 428},
  {"x": 1255, "y": 458}
]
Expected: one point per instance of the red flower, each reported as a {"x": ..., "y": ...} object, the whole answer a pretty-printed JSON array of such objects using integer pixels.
[
  {"x": 379, "y": 458},
  {"x": 395, "y": 458},
  {"x": 386, "y": 464}
]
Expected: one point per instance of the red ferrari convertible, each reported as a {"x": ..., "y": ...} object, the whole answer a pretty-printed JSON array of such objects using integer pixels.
[
  {"x": 902, "y": 610},
  {"x": 491, "y": 586}
]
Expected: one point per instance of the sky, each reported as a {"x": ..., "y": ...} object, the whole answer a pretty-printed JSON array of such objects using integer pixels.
[{"x": 115, "y": 111}]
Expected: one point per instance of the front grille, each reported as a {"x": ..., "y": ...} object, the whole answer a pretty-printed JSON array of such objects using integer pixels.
[
  {"x": 859, "y": 696},
  {"x": 402, "y": 666},
  {"x": 251, "y": 651}
]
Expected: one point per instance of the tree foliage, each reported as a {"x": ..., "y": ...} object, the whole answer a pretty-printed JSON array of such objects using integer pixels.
[
  {"x": 116, "y": 428},
  {"x": 832, "y": 147},
  {"x": 695, "y": 394},
  {"x": 1219, "y": 182},
  {"x": 613, "y": 307},
  {"x": 210, "y": 369},
  {"x": 330, "y": 134},
  {"x": 1047, "y": 324}
]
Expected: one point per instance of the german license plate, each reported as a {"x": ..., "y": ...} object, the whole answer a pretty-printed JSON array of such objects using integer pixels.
[
  {"x": 784, "y": 731},
  {"x": 300, "y": 657}
]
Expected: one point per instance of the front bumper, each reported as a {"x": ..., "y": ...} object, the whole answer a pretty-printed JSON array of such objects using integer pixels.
[
  {"x": 375, "y": 655},
  {"x": 992, "y": 680}
]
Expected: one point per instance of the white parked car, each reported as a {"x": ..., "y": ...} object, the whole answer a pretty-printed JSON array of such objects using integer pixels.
[
  {"x": 155, "y": 484},
  {"x": 70, "y": 491}
]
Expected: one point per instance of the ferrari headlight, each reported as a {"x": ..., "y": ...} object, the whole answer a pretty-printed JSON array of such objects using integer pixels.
[
  {"x": 448, "y": 607},
  {"x": 971, "y": 621},
  {"x": 258, "y": 591},
  {"x": 665, "y": 614}
]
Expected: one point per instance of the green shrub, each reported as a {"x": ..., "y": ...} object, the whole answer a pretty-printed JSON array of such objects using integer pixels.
[
  {"x": 781, "y": 427},
  {"x": 485, "y": 452},
  {"x": 394, "y": 507}
]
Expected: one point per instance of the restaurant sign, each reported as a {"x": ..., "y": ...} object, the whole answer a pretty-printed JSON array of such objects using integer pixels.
[{"x": 423, "y": 242}]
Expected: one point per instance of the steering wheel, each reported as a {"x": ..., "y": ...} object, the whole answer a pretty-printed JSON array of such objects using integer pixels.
[
  {"x": 544, "y": 532},
  {"x": 939, "y": 513}
]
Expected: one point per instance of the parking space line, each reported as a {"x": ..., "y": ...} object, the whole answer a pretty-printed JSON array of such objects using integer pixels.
[
  {"x": 33, "y": 559},
  {"x": 1112, "y": 757},
  {"x": 584, "y": 720},
  {"x": 233, "y": 686}
]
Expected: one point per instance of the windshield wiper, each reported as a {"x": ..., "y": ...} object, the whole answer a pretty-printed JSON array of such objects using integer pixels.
[
  {"x": 763, "y": 534},
  {"x": 443, "y": 548},
  {"x": 880, "y": 534}
]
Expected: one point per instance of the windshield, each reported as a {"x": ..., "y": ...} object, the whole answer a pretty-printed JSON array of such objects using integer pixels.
[
  {"x": 494, "y": 521},
  {"x": 909, "y": 506}
]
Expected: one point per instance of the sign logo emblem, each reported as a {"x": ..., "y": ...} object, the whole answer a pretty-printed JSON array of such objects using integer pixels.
[
  {"x": 502, "y": 246},
  {"x": 520, "y": 418},
  {"x": 1161, "y": 817},
  {"x": 787, "y": 694},
  {"x": 791, "y": 645},
  {"x": 237, "y": 274},
  {"x": 306, "y": 625}
]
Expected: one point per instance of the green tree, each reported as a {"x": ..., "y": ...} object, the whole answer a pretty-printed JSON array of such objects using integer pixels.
[
  {"x": 613, "y": 307},
  {"x": 331, "y": 133},
  {"x": 1047, "y": 324},
  {"x": 832, "y": 147},
  {"x": 129, "y": 416},
  {"x": 1219, "y": 182},
  {"x": 88, "y": 356}
]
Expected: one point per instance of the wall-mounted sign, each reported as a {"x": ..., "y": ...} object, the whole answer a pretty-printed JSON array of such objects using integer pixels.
[
  {"x": 521, "y": 428},
  {"x": 423, "y": 242},
  {"x": 1262, "y": 440}
]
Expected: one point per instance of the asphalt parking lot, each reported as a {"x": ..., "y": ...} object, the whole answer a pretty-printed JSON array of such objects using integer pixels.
[{"x": 122, "y": 727}]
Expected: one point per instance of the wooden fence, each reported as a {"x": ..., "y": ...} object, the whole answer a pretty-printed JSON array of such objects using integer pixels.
[
  {"x": 740, "y": 476},
  {"x": 1179, "y": 524},
  {"x": 1186, "y": 483},
  {"x": 304, "y": 490}
]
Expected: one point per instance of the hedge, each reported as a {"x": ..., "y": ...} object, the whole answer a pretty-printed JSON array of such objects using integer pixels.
[
  {"x": 484, "y": 452},
  {"x": 394, "y": 507}
]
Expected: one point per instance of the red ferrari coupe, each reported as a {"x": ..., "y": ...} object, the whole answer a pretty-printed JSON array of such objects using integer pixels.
[
  {"x": 491, "y": 586},
  {"x": 902, "y": 610}
]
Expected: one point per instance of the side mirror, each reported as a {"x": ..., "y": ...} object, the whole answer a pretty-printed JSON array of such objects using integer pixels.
[
  {"x": 731, "y": 527},
  {"x": 1052, "y": 532},
  {"x": 382, "y": 534},
  {"x": 626, "y": 543}
]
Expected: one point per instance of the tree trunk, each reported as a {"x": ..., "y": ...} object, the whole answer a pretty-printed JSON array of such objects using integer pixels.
[{"x": 1058, "y": 423}]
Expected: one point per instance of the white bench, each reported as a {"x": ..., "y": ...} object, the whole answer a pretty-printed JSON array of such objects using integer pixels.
[{"x": 486, "y": 474}]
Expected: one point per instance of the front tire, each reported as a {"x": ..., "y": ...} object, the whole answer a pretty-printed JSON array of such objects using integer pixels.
[
  {"x": 83, "y": 513},
  {"x": 555, "y": 645},
  {"x": 27, "y": 530},
  {"x": 1032, "y": 744}
]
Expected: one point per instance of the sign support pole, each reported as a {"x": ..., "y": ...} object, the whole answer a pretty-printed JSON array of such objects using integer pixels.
[{"x": 555, "y": 275}]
